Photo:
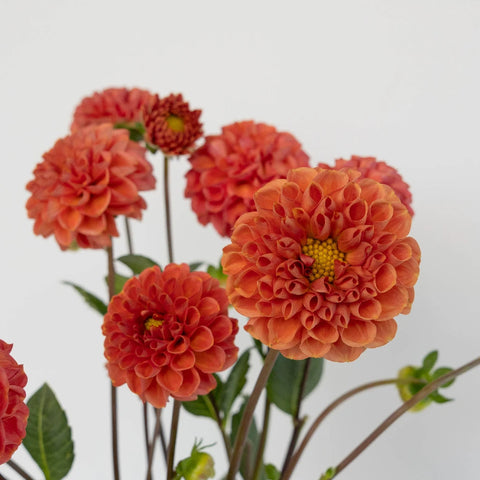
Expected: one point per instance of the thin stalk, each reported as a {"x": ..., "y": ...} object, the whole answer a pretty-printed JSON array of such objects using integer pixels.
[
  {"x": 218, "y": 418},
  {"x": 173, "y": 439},
  {"x": 153, "y": 442},
  {"x": 424, "y": 392},
  {"x": 129, "y": 235},
  {"x": 248, "y": 413},
  {"x": 19, "y": 470},
  {"x": 2, "y": 477},
  {"x": 168, "y": 220},
  {"x": 263, "y": 440},
  {"x": 113, "y": 390}
]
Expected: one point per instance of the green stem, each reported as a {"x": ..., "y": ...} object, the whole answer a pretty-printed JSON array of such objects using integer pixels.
[
  {"x": 113, "y": 390},
  {"x": 19, "y": 470},
  {"x": 173, "y": 440},
  {"x": 248, "y": 413},
  {"x": 168, "y": 220},
  {"x": 263, "y": 440},
  {"x": 129, "y": 235}
]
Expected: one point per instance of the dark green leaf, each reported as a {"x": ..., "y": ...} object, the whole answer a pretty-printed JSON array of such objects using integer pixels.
[
  {"x": 90, "y": 298},
  {"x": 234, "y": 384},
  {"x": 136, "y": 130},
  {"x": 259, "y": 346},
  {"x": 429, "y": 361},
  {"x": 120, "y": 281},
  {"x": 201, "y": 407},
  {"x": 137, "y": 263},
  {"x": 271, "y": 472},
  {"x": 49, "y": 438},
  {"x": 438, "y": 398},
  {"x": 195, "y": 266},
  {"x": 284, "y": 383},
  {"x": 440, "y": 372}
]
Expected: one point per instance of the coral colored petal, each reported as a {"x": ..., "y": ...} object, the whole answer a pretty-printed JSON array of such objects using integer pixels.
[
  {"x": 268, "y": 195},
  {"x": 385, "y": 278},
  {"x": 70, "y": 219},
  {"x": 97, "y": 204},
  {"x": 169, "y": 379},
  {"x": 282, "y": 331},
  {"x": 339, "y": 352},
  {"x": 211, "y": 360},
  {"x": 201, "y": 339},
  {"x": 313, "y": 348},
  {"x": 386, "y": 331},
  {"x": 93, "y": 225},
  {"x": 393, "y": 302},
  {"x": 358, "y": 333}
]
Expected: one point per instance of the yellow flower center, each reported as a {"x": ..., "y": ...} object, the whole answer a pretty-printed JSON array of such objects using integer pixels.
[
  {"x": 152, "y": 322},
  {"x": 175, "y": 123},
  {"x": 324, "y": 254}
]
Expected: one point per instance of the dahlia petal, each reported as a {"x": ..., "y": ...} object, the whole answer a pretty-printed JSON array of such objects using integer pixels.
[
  {"x": 407, "y": 273},
  {"x": 380, "y": 213},
  {"x": 400, "y": 223},
  {"x": 208, "y": 306},
  {"x": 313, "y": 348},
  {"x": 63, "y": 236},
  {"x": 190, "y": 386},
  {"x": 221, "y": 328},
  {"x": 146, "y": 369},
  {"x": 359, "y": 254},
  {"x": 201, "y": 339},
  {"x": 393, "y": 302},
  {"x": 386, "y": 331},
  {"x": 246, "y": 282},
  {"x": 169, "y": 379},
  {"x": 156, "y": 395},
  {"x": 339, "y": 352},
  {"x": 97, "y": 204},
  {"x": 258, "y": 328},
  {"x": 93, "y": 225},
  {"x": 211, "y": 360},
  {"x": 282, "y": 331},
  {"x": 385, "y": 278},
  {"x": 266, "y": 196},
  {"x": 324, "y": 333},
  {"x": 359, "y": 333},
  {"x": 70, "y": 219},
  {"x": 184, "y": 361},
  {"x": 356, "y": 212}
]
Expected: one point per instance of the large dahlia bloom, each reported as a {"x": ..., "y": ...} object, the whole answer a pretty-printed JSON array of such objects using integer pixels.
[
  {"x": 323, "y": 264},
  {"x": 171, "y": 125},
  {"x": 84, "y": 181},
  {"x": 370, "y": 167},
  {"x": 229, "y": 168},
  {"x": 167, "y": 332},
  {"x": 113, "y": 105},
  {"x": 13, "y": 411}
]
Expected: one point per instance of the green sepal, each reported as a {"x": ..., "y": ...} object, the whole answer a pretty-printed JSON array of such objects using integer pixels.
[
  {"x": 440, "y": 372},
  {"x": 439, "y": 398},
  {"x": 271, "y": 472},
  {"x": 137, "y": 263},
  {"x": 92, "y": 300},
  {"x": 49, "y": 437},
  {"x": 284, "y": 383},
  {"x": 136, "y": 130},
  {"x": 329, "y": 474},
  {"x": 429, "y": 361}
]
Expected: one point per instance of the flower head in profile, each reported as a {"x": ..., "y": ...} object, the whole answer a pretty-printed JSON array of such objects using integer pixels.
[
  {"x": 84, "y": 181},
  {"x": 167, "y": 332},
  {"x": 113, "y": 105},
  {"x": 323, "y": 265},
  {"x": 229, "y": 168},
  {"x": 170, "y": 124},
  {"x": 13, "y": 410},
  {"x": 370, "y": 167}
]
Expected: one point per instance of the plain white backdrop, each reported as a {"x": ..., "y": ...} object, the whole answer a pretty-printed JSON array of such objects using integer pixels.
[{"x": 396, "y": 80}]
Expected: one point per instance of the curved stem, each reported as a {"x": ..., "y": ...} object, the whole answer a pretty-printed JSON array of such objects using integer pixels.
[
  {"x": 113, "y": 390},
  {"x": 168, "y": 221},
  {"x": 218, "y": 418},
  {"x": 151, "y": 444},
  {"x": 173, "y": 439},
  {"x": 424, "y": 392},
  {"x": 19, "y": 470},
  {"x": 248, "y": 413},
  {"x": 263, "y": 440}
]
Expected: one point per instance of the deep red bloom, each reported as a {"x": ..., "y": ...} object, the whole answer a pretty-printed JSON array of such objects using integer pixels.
[
  {"x": 171, "y": 125},
  {"x": 84, "y": 181},
  {"x": 370, "y": 167},
  {"x": 229, "y": 168},
  {"x": 113, "y": 105},
  {"x": 167, "y": 332},
  {"x": 13, "y": 410},
  {"x": 323, "y": 264}
]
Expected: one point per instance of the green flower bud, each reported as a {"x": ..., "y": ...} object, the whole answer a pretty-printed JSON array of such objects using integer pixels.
[{"x": 199, "y": 466}]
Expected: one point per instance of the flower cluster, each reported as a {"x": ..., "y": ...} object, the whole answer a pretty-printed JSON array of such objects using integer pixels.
[
  {"x": 84, "y": 181},
  {"x": 229, "y": 168},
  {"x": 167, "y": 333},
  {"x": 13, "y": 411},
  {"x": 323, "y": 264}
]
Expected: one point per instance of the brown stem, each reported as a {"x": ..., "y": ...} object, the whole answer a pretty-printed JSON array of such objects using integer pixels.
[
  {"x": 168, "y": 221},
  {"x": 218, "y": 419},
  {"x": 129, "y": 236},
  {"x": 248, "y": 413},
  {"x": 2, "y": 477},
  {"x": 173, "y": 439},
  {"x": 113, "y": 390},
  {"x": 424, "y": 392},
  {"x": 151, "y": 444},
  {"x": 19, "y": 470},
  {"x": 263, "y": 440}
]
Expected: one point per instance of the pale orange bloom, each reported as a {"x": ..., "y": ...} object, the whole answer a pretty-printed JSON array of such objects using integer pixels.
[{"x": 323, "y": 264}]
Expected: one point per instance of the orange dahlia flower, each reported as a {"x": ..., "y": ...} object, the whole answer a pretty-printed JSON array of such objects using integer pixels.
[
  {"x": 323, "y": 264},
  {"x": 370, "y": 167},
  {"x": 229, "y": 168},
  {"x": 167, "y": 332},
  {"x": 13, "y": 411},
  {"x": 171, "y": 125},
  {"x": 113, "y": 105},
  {"x": 84, "y": 181}
]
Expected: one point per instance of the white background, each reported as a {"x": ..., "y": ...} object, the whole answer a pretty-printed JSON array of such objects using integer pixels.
[{"x": 397, "y": 80}]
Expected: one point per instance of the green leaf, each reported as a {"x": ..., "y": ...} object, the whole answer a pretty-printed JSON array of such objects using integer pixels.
[
  {"x": 119, "y": 282},
  {"x": 440, "y": 372},
  {"x": 195, "y": 266},
  {"x": 201, "y": 407},
  {"x": 284, "y": 383},
  {"x": 49, "y": 438},
  {"x": 94, "y": 302},
  {"x": 136, "y": 130},
  {"x": 439, "y": 398},
  {"x": 234, "y": 384},
  {"x": 429, "y": 361},
  {"x": 137, "y": 263},
  {"x": 271, "y": 472}
]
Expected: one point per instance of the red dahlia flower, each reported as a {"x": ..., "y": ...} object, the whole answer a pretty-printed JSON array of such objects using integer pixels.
[
  {"x": 229, "y": 168},
  {"x": 84, "y": 181},
  {"x": 369, "y": 167},
  {"x": 167, "y": 332},
  {"x": 113, "y": 105},
  {"x": 323, "y": 264},
  {"x": 13, "y": 411},
  {"x": 171, "y": 125}
]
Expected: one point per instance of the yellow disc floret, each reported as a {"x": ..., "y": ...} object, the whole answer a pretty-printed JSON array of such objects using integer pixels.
[
  {"x": 324, "y": 253},
  {"x": 175, "y": 123},
  {"x": 152, "y": 322}
]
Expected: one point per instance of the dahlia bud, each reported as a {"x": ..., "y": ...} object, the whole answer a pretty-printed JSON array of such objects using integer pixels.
[{"x": 199, "y": 466}]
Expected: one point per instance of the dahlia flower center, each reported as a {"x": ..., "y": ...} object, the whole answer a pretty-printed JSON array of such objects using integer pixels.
[
  {"x": 153, "y": 322},
  {"x": 175, "y": 123},
  {"x": 324, "y": 254}
]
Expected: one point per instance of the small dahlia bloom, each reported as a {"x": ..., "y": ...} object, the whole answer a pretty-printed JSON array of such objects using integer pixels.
[
  {"x": 170, "y": 124},
  {"x": 84, "y": 181},
  {"x": 13, "y": 410},
  {"x": 113, "y": 105},
  {"x": 370, "y": 167},
  {"x": 323, "y": 265},
  {"x": 229, "y": 168},
  {"x": 167, "y": 332}
]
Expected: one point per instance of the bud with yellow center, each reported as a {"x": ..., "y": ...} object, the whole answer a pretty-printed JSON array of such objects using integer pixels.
[{"x": 324, "y": 254}]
